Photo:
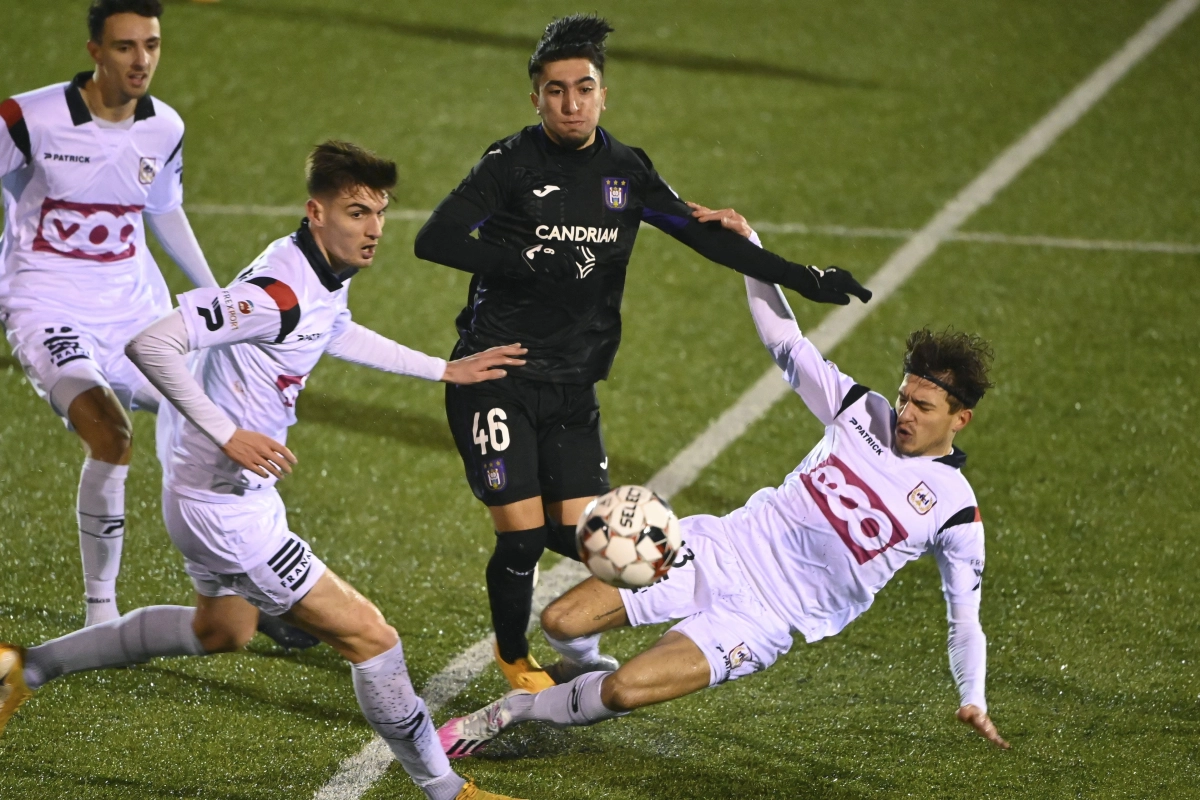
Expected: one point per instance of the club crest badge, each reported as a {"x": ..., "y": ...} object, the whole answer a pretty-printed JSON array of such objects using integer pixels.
[
  {"x": 494, "y": 474},
  {"x": 922, "y": 499},
  {"x": 245, "y": 306},
  {"x": 147, "y": 169},
  {"x": 616, "y": 193},
  {"x": 738, "y": 655}
]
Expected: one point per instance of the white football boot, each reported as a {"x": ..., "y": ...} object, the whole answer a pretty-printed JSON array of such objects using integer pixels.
[
  {"x": 567, "y": 670},
  {"x": 463, "y": 736}
]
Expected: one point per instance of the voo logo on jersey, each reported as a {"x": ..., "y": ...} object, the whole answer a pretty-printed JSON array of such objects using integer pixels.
[
  {"x": 89, "y": 231},
  {"x": 853, "y": 509}
]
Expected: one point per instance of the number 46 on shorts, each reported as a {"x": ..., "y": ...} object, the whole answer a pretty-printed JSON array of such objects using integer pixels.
[{"x": 496, "y": 432}]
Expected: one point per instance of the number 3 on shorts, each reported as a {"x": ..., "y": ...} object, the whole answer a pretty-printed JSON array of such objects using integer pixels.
[{"x": 495, "y": 427}]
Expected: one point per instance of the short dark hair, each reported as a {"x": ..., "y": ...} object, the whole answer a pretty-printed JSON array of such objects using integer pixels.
[
  {"x": 957, "y": 362},
  {"x": 333, "y": 167},
  {"x": 576, "y": 36},
  {"x": 101, "y": 10}
]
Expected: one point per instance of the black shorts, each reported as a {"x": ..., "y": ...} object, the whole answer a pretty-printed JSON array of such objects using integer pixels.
[{"x": 520, "y": 439}]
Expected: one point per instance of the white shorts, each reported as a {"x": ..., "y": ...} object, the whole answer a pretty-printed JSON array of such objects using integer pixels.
[
  {"x": 62, "y": 359},
  {"x": 243, "y": 549},
  {"x": 721, "y": 610}
]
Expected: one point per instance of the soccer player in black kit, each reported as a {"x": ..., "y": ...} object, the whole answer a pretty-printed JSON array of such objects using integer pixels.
[{"x": 557, "y": 208}]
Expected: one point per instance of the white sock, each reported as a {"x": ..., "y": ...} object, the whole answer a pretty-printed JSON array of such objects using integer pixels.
[
  {"x": 387, "y": 699},
  {"x": 584, "y": 650},
  {"x": 575, "y": 703},
  {"x": 138, "y": 636},
  {"x": 101, "y": 511}
]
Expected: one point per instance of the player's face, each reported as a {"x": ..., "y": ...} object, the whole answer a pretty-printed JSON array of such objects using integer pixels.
[
  {"x": 127, "y": 56},
  {"x": 348, "y": 227},
  {"x": 569, "y": 98},
  {"x": 925, "y": 425}
]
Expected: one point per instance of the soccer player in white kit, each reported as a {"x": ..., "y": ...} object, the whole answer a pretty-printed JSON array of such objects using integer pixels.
[
  {"x": 881, "y": 488},
  {"x": 221, "y": 440},
  {"x": 86, "y": 166}
]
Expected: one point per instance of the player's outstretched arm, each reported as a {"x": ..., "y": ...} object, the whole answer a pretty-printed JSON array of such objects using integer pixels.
[
  {"x": 175, "y": 234},
  {"x": 159, "y": 352},
  {"x": 978, "y": 719},
  {"x": 486, "y": 366}
]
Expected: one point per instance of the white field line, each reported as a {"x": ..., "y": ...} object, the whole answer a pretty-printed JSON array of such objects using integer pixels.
[
  {"x": 360, "y": 771},
  {"x": 840, "y": 231}
]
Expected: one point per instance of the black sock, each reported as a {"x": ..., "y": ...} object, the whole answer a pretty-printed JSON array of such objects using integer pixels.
[
  {"x": 561, "y": 539},
  {"x": 510, "y": 588}
]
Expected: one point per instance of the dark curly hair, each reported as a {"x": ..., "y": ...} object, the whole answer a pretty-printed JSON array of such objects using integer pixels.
[
  {"x": 334, "y": 167},
  {"x": 957, "y": 362},
  {"x": 576, "y": 36},
  {"x": 101, "y": 10}
]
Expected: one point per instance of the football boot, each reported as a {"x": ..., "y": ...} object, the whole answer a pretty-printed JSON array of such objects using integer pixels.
[
  {"x": 567, "y": 670},
  {"x": 472, "y": 792},
  {"x": 13, "y": 691},
  {"x": 463, "y": 736},
  {"x": 524, "y": 673}
]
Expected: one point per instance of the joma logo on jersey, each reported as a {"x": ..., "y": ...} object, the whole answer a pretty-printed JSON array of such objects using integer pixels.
[
  {"x": 576, "y": 233},
  {"x": 69, "y": 158},
  {"x": 88, "y": 231},
  {"x": 854, "y": 510}
]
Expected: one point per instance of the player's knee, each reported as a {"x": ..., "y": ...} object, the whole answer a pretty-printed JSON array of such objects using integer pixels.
[
  {"x": 620, "y": 694},
  {"x": 111, "y": 441},
  {"x": 221, "y": 637},
  {"x": 560, "y": 620}
]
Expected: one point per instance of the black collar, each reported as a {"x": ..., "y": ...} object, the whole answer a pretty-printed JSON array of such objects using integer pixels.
[
  {"x": 316, "y": 259},
  {"x": 957, "y": 458},
  {"x": 80, "y": 115}
]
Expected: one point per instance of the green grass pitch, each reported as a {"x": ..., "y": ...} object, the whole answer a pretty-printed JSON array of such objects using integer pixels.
[{"x": 859, "y": 114}]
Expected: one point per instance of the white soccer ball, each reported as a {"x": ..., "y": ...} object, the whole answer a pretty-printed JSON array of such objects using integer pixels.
[{"x": 628, "y": 537}]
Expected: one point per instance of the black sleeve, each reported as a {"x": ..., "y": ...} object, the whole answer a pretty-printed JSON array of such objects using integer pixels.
[
  {"x": 446, "y": 237},
  {"x": 664, "y": 210}
]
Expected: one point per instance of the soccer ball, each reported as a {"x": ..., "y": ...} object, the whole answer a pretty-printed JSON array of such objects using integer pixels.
[{"x": 628, "y": 537}]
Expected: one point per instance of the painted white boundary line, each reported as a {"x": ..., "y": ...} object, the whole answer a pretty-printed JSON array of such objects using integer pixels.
[
  {"x": 840, "y": 231},
  {"x": 357, "y": 773}
]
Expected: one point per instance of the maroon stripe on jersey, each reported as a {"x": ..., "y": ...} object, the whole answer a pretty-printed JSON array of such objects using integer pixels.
[
  {"x": 14, "y": 120},
  {"x": 285, "y": 299}
]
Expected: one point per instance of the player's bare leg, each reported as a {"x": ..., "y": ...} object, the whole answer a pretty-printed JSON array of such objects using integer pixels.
[
  {"x": 107, "y": 436},
  {"x": 338, "y": 615}
]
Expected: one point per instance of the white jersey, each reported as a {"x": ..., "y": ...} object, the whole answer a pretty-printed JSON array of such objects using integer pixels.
[
  {"x": 259, "y": 339},
  {"x": 821, "y": 545},
  {"x": 74, "y": 192}
]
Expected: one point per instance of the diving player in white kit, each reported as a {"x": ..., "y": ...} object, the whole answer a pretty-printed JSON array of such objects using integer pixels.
[
  {"x": 86, "y": 167},
  {"x": 221, "y": 439},
  {"x": 880, "y": 489}
]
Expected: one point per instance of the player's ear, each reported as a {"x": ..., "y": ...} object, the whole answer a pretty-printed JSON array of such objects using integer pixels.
[
  {"x": 93, "y": 48},
  {"x": 533, "y": 98},
  {"x": 315, "y": 211},
  {"x": 961, "y": 419}
]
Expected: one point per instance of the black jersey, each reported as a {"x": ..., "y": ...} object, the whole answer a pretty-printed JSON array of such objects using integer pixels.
[{"x": 526, "y": 190}]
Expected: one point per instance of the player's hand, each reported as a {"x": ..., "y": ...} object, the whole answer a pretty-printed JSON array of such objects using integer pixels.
[
  {"x": 484, "y": 366},
  {"x": 728, "y": 218},
  {"x": 559, "y": 262},
  {"x": 975, "y": 716},
  {"x": 260, "y": 454},
  {"x": 829, "y": 285}
]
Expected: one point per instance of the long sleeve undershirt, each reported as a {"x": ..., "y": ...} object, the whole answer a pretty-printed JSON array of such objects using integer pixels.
[{"x": 174, "y": 233}]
